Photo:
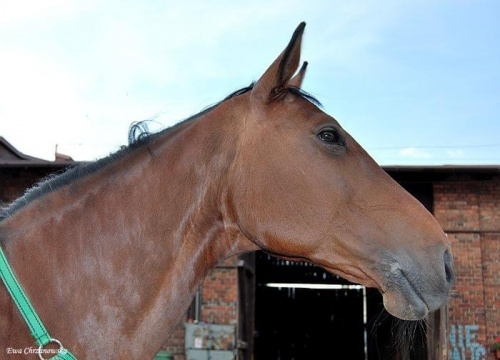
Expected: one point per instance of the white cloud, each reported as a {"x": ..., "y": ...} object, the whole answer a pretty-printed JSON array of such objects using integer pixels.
[
  {"x": 455, "y": 153},
  {"x": 414, "y": 153}
]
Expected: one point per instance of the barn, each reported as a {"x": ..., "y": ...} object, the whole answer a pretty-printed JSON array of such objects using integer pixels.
[{"x": 259, "y": 307}]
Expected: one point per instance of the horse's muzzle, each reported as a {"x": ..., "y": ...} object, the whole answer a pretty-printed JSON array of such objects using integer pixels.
[{"x": 415, "y": 285}]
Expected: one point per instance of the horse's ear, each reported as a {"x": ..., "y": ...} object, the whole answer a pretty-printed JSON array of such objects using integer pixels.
[
  {"x": 297, "y": 80},
  {"x": 281, "y": 70}
]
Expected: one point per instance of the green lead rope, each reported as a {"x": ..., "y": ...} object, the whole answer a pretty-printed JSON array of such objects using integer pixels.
[{"x": 29, "y": 314}]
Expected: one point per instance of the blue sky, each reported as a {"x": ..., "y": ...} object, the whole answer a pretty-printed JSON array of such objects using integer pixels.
[{"x": 415, "y": 82}]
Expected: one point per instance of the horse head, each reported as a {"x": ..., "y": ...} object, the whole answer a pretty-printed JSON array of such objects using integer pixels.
[{"x": 302, "y": 188}]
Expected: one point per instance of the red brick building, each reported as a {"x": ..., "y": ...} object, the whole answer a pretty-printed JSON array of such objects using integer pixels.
[
  {"x": 468, "y": 208},
  {"x": 346, "y": 319}
]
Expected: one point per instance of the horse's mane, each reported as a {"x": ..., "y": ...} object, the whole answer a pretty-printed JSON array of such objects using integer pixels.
[{"x": 139, "y": 136}]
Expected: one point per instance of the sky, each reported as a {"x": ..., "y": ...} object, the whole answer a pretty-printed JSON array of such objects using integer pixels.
[{"x": 414, "y": 82}]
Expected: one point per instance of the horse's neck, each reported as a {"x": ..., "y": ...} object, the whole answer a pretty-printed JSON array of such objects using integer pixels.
[{"x": 111, "y": 262}]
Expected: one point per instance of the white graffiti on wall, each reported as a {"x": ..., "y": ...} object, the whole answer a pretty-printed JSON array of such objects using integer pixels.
[{"x": 462, "y": 343}]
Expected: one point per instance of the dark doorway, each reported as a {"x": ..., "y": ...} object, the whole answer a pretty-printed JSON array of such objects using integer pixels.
[
  {"x": 303, "y": 312},
  {"x": 305, "y": 323}
]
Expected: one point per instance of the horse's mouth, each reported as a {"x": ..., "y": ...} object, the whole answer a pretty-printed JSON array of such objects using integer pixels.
[
  {"x": 403, "y": 299},
  {"x": 414, "y": 290}
]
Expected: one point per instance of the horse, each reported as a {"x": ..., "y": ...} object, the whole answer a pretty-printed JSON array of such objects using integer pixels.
[{"x": 111, "y": 252}]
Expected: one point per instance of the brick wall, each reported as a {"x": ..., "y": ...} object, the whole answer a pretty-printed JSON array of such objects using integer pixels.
[
  {"x": 219, "y": 298},
  {"x": 175, "y": 343},
  {"x": 469, "y": 211}
]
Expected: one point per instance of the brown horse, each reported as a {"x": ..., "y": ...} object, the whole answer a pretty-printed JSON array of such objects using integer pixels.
[{"x": 111, "y": 253}]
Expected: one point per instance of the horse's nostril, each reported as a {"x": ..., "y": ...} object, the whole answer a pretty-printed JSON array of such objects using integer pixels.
[{"x": 448, "y": 267}]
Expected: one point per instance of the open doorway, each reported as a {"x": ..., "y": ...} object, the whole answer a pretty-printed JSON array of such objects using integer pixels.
[
  {"x": 303, "y": 312},
  {"x": 299, "y": 317}
]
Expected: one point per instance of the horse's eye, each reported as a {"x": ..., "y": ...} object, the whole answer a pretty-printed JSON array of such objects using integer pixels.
[{"x": 329, "y": 136}]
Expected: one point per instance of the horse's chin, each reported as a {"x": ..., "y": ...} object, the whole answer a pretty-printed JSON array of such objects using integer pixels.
[{"x": 405, "y": 305}]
